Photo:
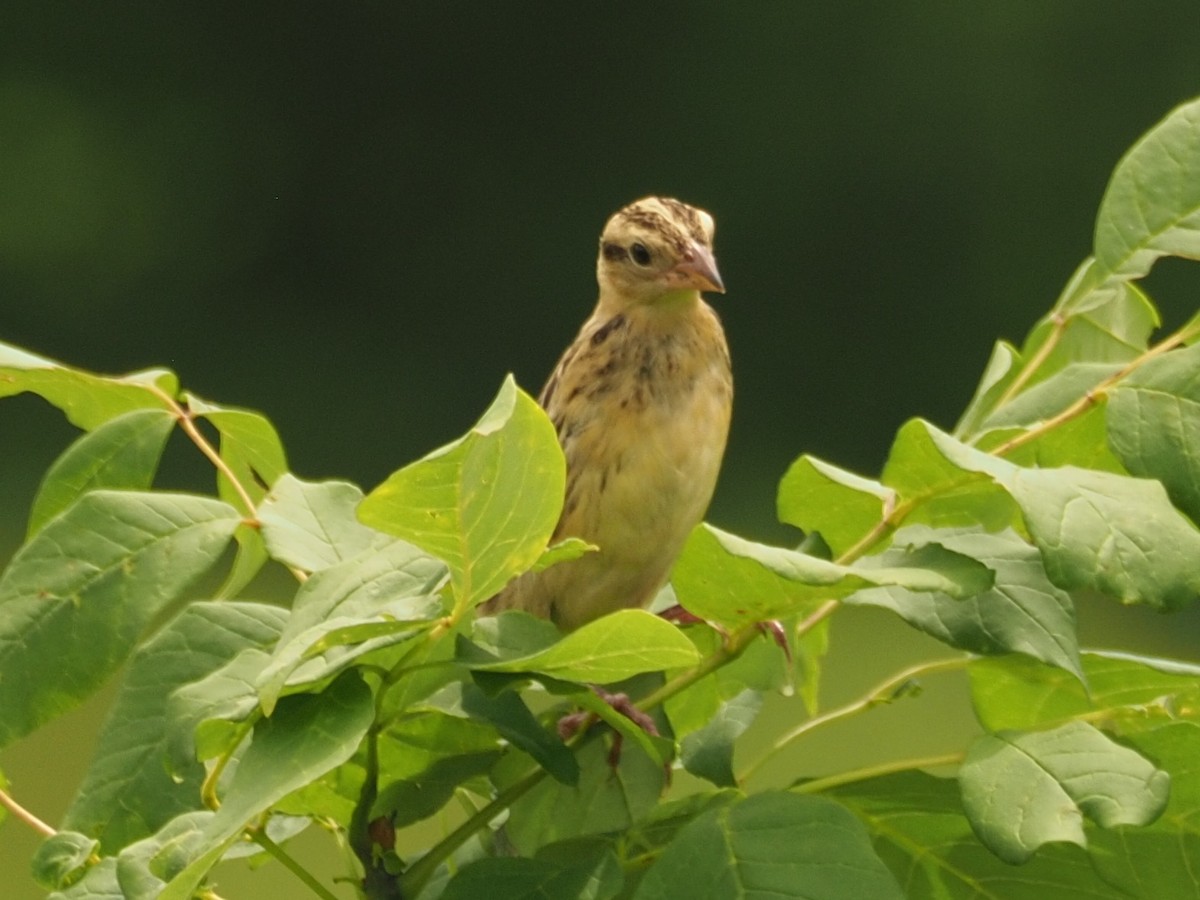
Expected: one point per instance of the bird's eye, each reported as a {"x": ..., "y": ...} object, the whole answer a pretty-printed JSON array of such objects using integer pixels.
[{"x": 640, "y": 254}]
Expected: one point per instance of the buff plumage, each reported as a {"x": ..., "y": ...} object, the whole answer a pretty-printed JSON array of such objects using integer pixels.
[{"x": 641, "y": 403}]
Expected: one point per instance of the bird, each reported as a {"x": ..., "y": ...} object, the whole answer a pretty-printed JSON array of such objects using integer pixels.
[{"x": 641, "y": 404}]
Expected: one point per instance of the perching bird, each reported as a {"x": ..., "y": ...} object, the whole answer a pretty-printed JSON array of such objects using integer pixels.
[{"x": 641, "y": 403}]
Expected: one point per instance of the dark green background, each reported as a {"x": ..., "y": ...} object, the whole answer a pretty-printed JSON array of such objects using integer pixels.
[{"x": 357, "y": 217}]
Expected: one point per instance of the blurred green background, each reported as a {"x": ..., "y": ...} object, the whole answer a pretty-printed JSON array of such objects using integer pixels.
[{"x": 357, "y": 217}]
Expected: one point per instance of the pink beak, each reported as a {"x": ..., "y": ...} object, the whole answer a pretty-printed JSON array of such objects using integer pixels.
[{"x": 698, "y": 270}]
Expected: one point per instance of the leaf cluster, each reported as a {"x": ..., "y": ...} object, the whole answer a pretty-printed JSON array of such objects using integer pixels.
[{"x": 456, "y": 756}]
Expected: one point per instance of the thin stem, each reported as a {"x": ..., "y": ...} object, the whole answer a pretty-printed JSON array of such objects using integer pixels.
[
  {"x": 260, "y": 837},
  {"x": 1035, "y": 361},
  {"x": 890, "y": 768},
  {"x": 1093, "y": 396},
  {"x": 414, "y": 880},
  {"x": 188, "y": 424},
  {"x": 730, "y": 649},
  {"x": 884, "y": 692},
  {"x": 22, "y": 814}
]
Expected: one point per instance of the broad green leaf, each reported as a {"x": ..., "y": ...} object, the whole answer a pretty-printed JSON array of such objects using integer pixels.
[
  {"x": 1094, "y": 323},
  {"x": 487, "y": 504},
  {"x": 708, "y": 752},
  {"x": 612, "y": 648},
  {"x": 937, "y": 491},
  {"x": 1025, "y": 789},
  {"x": 563, "y": 551},
  {"x": 208, "y": 717},
  {"x": 1051, "y": 396},
  {"x": 1097, "y": 530},
  {"x": 921, "y": 832},
  {"x": 249, "y": 446},
  {"x": 144, "y": 868},
  {"x": 518, "y": 878},
  {"x": 773, "y": 845},
  {"x": 383, "y": 594},
  {"x": 999, "y": 373},
  {"x": 1079, "y": 441},
  {"x": 1094, "y": 320},
  {"x": 62, "y": 858},
  {"x": 605, "y": 799},
  {"x": 1160, "y": 860},
  {"x": 121, "y": 454},
  {"x": 128, "y": 792},
  {"x": 839, "y": 505},
  {"x": 409, "y": 800},
  {"x": 308, "y": 735},
  {"x": 1134, "y": 693},
  {"x": 515, "y": 723},
  {"x": 251, "y": 450},
  {"x": 98, "y": 883},
  {"x": 87, "y": 587},
  {"x": 1022, "y": 612},
  {"x": 312, "y": 526},
  {"x": 1152, "y": 205},
  {"x": 87, "y": 400},
  {"x": 1154, "y": 425},
  {"x": 1117, "y": 535},
  {"x": 726, "y": 579}
]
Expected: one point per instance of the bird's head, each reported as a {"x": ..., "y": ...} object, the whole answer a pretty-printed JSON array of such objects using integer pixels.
[{"x": 654, "y": 248}]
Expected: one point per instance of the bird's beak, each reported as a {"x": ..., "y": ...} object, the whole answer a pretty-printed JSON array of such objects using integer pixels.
[{"x": 698, "y": 270}]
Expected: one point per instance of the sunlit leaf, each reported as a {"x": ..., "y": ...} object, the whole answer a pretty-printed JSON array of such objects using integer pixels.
[
  {"x": 121, "y": 454},
  {"x": 609, "y": 649},
  {"x": 84, "y": 590},
  {"x": 486, "y": 504},
  {"x": 88, "y": 400},
  {"x": 771, "y": 845},
  {"x": 128, "y": 792},
  {"x": 1152, "y": 205},
  {"x": 1025, "y": 789}
]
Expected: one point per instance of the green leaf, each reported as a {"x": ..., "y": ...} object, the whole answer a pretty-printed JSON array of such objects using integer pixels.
[
  {"x": 515, "y": 722},
  {"x": 1154, "y": 425},
  {"x": 1022, "y": 612},
  {"x": 312, "y": 526},
  {"x": 1159, "y": 860},
  {"x": 708, "y": 752},
  {"x": 87, "y": 400},
  {"x": 62, "y": 859},
  {"x": 308, "y": 735},
  {"x": 839, "y": 505},
  {"x": 563, "y": 551},
  {"x": 535, "y": 879},
  {"x": 725, "y": 579},
  {"x": 612, "y": 648},
  {"x": 1134, "y": 693},
  {"x": 98, "y": 883},
  {"x": 605, "y": 799},
  {"x": 921, "y": 832},
  {"x": 1051, "y": 396},
  {"x": 207, "y": 714},
  {"x": 1096, "y": 530},
  {"x": 998, "y": 375},
  {"x": 939, "y": 491},
  {"x": 771, "y": 845},
  {"x": 121, "y": 454},
  {"x": 487, "y": 504},
  {"x": 250, "y": 447},
  {"x": 87, "y": 587},
  {"x": 128, "y": 793},
  {"x": 1094, "y": 320},
  {"x": 1025, "y": 789},
  {"x": 1152, "y": 205},
  {"x": 349, "y": 609}
]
